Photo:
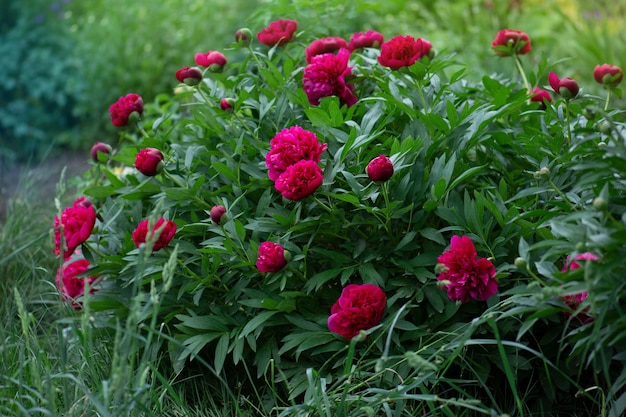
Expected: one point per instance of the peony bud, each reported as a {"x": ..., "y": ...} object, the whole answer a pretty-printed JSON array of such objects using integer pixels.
[
  {"x": 213, "y": 60},
  {"x": 539, "y": 95},
  {"x": 590, "y": 112},
  {"x": 217, "y": 214},
  {"x": 521, "y": 263},
  {"x": 149, "y": 161},
  {"x": 100, "y": 148},
  {"x": 243, "y": 37},
  {"x": 509, "y": 42},
  {"x": 600, "y": 203},
  {"x": 189, "y": 75},
  {"x": 566, "y": 87},
  {"x": 227, "y": 104},
  {"x": 380, "y": 169},
  {"x": 544, "y": 171},
  {"x": 608, "y": 75},
  {"x": 604, "y": 126}
]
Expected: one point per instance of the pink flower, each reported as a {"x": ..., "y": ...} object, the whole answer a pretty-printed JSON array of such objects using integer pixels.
[
  {"x": 565, "y": 87},
  {"x": 380, "y": 169},
  {"x": 300, "y": 180},
  {"x": 149, "y": 161},
  {"x": 213, "y": 60},
  {"x": 70, "y": 284},
  {"x": 587, "y": 256},
  {"x": 403, "y": 51},
  {"x": 608, "y": 75},
  {"x": 189, "y": 75},
  {"x": 290, "y": 146},
  {"x": 369, "y": 39},
  {"x": 467, "y": 278},
  {"x": 227, "y": 104},
  {"x": 326, "y": 76},
  {"x": 122, "y": 109},
  {"x": 321, "y": 46},
  {"x": 509, "y": 42},
  {"x": 360, "y": 307},
  {"x": 98, "y": 148},
  {"x": 278, "y": 32},
  {"x": 271, "y": 257},
  {"x": 77, "y": 223},
  {"x": 573, "y": 301},
  {"x": 539, "y": 95},
  {"x": 140, "y": 234},
  {"x": 217, "y": 213}
]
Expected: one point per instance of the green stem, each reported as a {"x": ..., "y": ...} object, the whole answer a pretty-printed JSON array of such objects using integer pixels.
[
  {"x": 184, "y": 187},
  {"x": 518, "y": 64},
  {"x": 568, "y": 121},
  {"x": 608, "y": 98},
  {"x": 560, "y": 193},
  {"x": 142, "y": 130},
  {"x": 324, "y": 206}
]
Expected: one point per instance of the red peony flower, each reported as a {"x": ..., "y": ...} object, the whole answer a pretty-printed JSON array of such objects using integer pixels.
[
  {"x": 70, "y": 284},
  {"x": 573, "y": 301},
  {"x": 369, "y": 39},
  {"x": 99, "y": 147},
  {"x": 326, "y": 76},
  {"x": 467, "y": 278},
  {"x": 217, "y": 214},
  {"x": 380, "y": 169},
  {"x": 213, "y": 60},
  {"x": 140, "y": 234},
  {"x": 360, "y": 307},
  {"x": 300, "y": 180},
  {"x": 290, "y": 146},
  {"x": 189, "y": 75},
  {"x": 149, "y": 161},
  {"x": 539, "y": 95},
  {"x": 608, "y": 75},
  {"x": 122, "y": 109},
  {"x": 278, "y": 32},
  {"x": 566, "y": 87},
  {"x": 403, "y": 51},
  {"x": 321, "y": 46},
  {"x": 509, "y": 42},
  {"x": 271, "y": 257},
  {"x": 77, "y": 223}
]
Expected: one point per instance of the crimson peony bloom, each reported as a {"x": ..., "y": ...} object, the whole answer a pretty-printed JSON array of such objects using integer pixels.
[
  {"x": 149, "y": 161},
  {"x": 608, "y": 75},
  {"x": 213, "y": 60},
  {"x": 509, "y": 42},
  {"x": 369, "y": 39},
  {"x": 217, "y": 214},
  {"x": 271, "y": 257},
  {"x": 140, "y": 234},
  {"x": 360, "y": 307},
  {"x": 573, "y": 301},
  {"x": 467, "y": 278},
  {"x": 278, "y": 32},
  {"x": 326, "y": 76},
  {"x": 539, "y": 95},
  {"x": 403, "y": 51},
  {"x": 300, "y": 180},
  {"x": 124, "y": 107},
  {"x": 289, "y": 146},
  {"x": 327, "y": 45},
  {"x": 99, "y": 147},
  {"x": 189, "y": 75},
  {"x": 70, "y": 284},
  {"x": 380, "y": 169},
  {"x": 566, "y": 87},
  {"x": 77, "y": 223}
]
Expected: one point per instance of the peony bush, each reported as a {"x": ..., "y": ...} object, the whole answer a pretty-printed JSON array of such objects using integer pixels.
[{"x": 337, "y": 199}]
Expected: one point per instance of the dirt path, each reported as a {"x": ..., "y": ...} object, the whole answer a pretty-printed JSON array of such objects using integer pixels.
[{"x": 38, "y": 180}]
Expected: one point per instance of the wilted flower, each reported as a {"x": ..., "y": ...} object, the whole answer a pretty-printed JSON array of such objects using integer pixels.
[
  {"x": 326, "y": 45},
  {"x": 608, "y": 75},
  {"x": 124, "y": 107},
  {"x": 149, "y": 161},
  {"x": 326, "y": 76},
  {"x": 403, "y": 51},
  {"x": 369, "y": 39},
  {"x": 467, "y": 278},
  {"x": 271, "y": 257},
  {"x": 189, "y": 75},
  {"x": 509, "y": 42},
  {"x": 99, "y": 147},
  {"x": 77, "y": 223},
  {"x": 566, "y": 87},
  {"x": 289, "y": 146},
  {"x": 380, "y": 169},
  {"x": 167, "y": 231},
  {"x": 278, "y": 32},
  {"x": 360, "y": 307},
  {"x": 300, "y": 180},
  {"x": 213, "y": 60}
]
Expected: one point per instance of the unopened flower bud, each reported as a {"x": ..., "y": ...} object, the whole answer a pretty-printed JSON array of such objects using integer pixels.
[
  {"x": 189, "y": 75},
  {"x": 227, "y": 104},
  {"x": 380, "y": 169},
  {"x": 600, "y": 203},
  {"x": 608, "y": 75},
  {"x": 544, "y": 171},
  {"x": 149, "y": 161},
  {"x": 603, "y": 126},
  {"x": 581, "y": 247},
  {"x": 243, "y": 37},
  {"x": 218, "y": 214},
  {"x": 100, "y": 148},
  {"x": 590, "y": 113},
  {"x": 521, "y": 263}
]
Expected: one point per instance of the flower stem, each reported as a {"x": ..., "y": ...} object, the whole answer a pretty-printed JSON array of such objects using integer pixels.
[
  {"x": 608, "y": 98},
  {"x": 324, "y": 206},
  {"x": 568, "y": 121},
  {"x": 518, "y": 64}
]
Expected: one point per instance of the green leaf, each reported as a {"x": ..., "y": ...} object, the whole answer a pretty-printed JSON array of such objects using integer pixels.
[{"x": 256, "y": 322}]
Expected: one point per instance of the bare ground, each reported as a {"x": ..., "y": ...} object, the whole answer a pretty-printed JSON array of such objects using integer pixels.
[{"x": 38, "y": 181}]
